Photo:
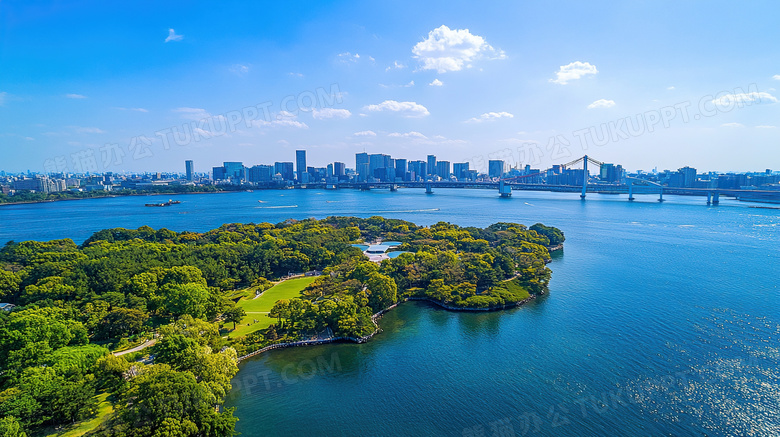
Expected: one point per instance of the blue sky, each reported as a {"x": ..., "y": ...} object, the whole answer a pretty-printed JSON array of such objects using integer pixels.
[{"x": 87, "y": 85}]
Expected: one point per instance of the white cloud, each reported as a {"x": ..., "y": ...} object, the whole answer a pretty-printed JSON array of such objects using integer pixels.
[
  {"x": 396, "y": 66},
  {"x": 193, "y": 113},
  {"x": 133, "y": 109},
  {"x": 412, "y": 134},
  {"x": 348, "y": 57},
  {"x": 173, "y": 37},
  {"x": 294, "y": 74},
  {"x": 776, "y": 77},
  {"x": 239, "y": 69},
  {"x": 573, "y": 71},
  {"x": 75, "y": 96},
  {"x": 448, "y": 49},
  {"x": 670, "y": 88},
  {"x": 407, "y": 109},
  {"x": 602, "y": 103},
  {"x": 88, "y": 130},
  {"x": 283, "y": 119},
  {"x": 421, "y": 139},
  {"x": 365, "y": 133},
  {"x": 2, "y": 97},
  {"x": 407, "y": 85},
  {"x": 745, "y": 99},
  {"x": 763, "y": 126},
  {"x": 489, "y": 116},
  {"x": 732, "y": 125},
  {"x": 436, "y": 82},
  {"x": 323, "y": 113}
]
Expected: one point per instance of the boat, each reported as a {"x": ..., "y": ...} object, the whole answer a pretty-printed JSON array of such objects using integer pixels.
[{"x": 168, "y": 203}]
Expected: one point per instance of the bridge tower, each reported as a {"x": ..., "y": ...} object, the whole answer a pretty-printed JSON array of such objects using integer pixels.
[
  {"x": 504, "y": 190},
  {"x": 584, "y": 177},
  {"x": 630, "y": 190},
  {"x": 428, "y": 188}
]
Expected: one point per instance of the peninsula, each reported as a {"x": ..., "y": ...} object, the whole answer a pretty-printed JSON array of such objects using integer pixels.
[{"x": 185, "y": 306}]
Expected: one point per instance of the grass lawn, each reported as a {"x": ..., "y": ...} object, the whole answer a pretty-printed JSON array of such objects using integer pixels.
[
  {"x": 260, "y": 307},
  {"x": 104, "y": 409}
]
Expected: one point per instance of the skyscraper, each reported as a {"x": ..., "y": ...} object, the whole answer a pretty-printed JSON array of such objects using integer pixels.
[
  {"x": 339, "y": 169},
  {"x": 460, "y": 169},
  {"x": 234, "y": 171},
  {"x": 443, "y": 169},
  {"x": 495, "y": 168},
  {"x": 431, "y": 165},
  {"x": 300, "y": 164},
  {"x": 189, "y": 167},
  {"x": 361, "y": 165},
  {"x": 259, "y": 173},
  {"x": 400, "y": 168},
  {"x": 218, "y": 173},
  {"x": 285, "y": 169}
]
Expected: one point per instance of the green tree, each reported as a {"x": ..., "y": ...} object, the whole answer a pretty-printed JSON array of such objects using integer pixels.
[
  {"x": 121, "y": 322},
  {"x": 383, "y": 291},
  {"x": 235, "y": 315},
  {"x": 10, "y": 427},
  {"x": 9, "y": 286},
  {"x": 181, "y": 299}
]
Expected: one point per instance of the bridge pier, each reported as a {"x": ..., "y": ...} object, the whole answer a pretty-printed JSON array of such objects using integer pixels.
[
  {"x": 715, "y": 198},
  {"x": 428, "y": 188},
  {"x": 661, "y": 196},
  {"x": 393, "y": 187},
  {"x": 504, "y": 190},
  {"x": 630, "y": 191}
]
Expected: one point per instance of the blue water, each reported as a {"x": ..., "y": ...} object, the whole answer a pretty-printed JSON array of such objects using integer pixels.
[
  {"x": 396, "y": 254},
  {"x": 662, "y": 319}
]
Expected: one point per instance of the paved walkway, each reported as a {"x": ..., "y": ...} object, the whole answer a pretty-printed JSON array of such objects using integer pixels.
[{"x": 137, "y": 348}]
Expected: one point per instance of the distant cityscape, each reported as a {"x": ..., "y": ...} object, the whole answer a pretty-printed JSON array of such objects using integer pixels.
[{"x": 379, "y": 168}]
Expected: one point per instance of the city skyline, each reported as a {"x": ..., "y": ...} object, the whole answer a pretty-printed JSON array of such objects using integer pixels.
[{"x": 459, "y": 84}]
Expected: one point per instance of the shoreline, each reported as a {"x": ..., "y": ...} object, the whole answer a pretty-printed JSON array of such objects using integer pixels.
[
  {"x": 377, "y": 329},
  {"x": 114, "y": 196}
]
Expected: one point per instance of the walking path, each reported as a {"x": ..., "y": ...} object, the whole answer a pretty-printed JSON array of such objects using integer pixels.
[{"x": 142, "y": 346}]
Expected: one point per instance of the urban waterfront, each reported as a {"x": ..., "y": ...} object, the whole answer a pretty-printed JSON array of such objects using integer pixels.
[{"x": 661, "y": 320}]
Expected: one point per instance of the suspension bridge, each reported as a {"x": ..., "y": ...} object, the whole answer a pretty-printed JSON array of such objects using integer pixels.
[{"x": 505, "y": 186}]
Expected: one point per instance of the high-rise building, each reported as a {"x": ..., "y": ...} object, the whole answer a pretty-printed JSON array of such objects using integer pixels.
[
  {"x": 259, "y": 173},
  {"x": 189, "y": 168},
  {"x": 285, "y": 169},
  {"x": 431, "y": 165},
  {"x": 234, "y": 171},
  {"x": 362, "y": 165},
  {"x": 339, "y": 169},
  {"x": 443, "y": 169},
  {"x": 400, "y": 168},
  {"x": 417, "y": 170},
  {"x": 218, "y": 173},
  {"x": 495, "y": 168},
  {"x": 300, "y": 164},
  {"x": 689, "y": 176},
  {"x": 380, "y": 162},
  {"x": 460, "y": 169}
]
